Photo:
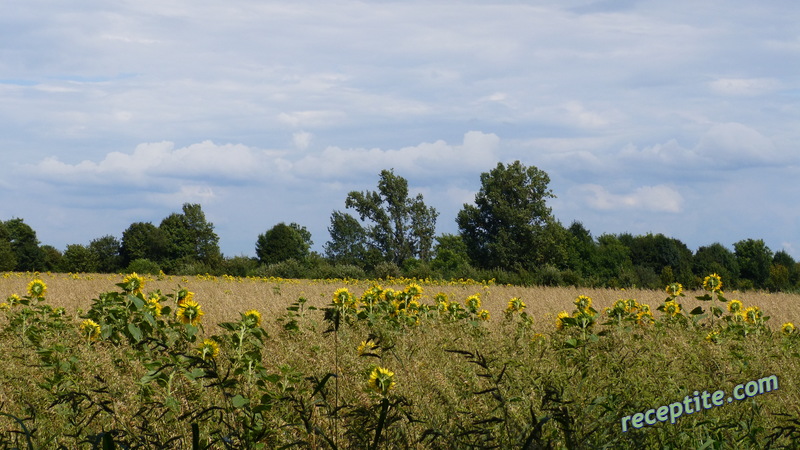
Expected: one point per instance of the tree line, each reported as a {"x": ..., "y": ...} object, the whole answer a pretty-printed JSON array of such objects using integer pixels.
[{"x": 508, "y": 234}]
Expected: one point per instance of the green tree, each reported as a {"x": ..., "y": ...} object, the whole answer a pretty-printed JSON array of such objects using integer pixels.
[
  {"x": 52, "y": 258},
  {"x": 190, "y": 238},
  {"x": 613, "y": 261},
  {"x": 655, "y": 252},
  {"x": 142, "y": 240},
  {"x": 785, "y": 259},
  {"x": 25, "y": 245},
  {"x": 78, "y": 258},
  {"x": 451, "y": 259},
  {"x": 8, "y": 259},
  {"x": 283, "y": 242},
  {"x": 755, "y": 260},
  {"x": 716, "y": 258},
  {"x": 581, "y": 249},
  {"x": 348, "y": 243},
  {"x": 107, "y": 253},
  {"x": 399, "y": 227},
  {"x": 504, "y": 228}
]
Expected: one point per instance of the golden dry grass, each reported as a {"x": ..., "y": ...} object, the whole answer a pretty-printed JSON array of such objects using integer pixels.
[{"x": 223, "y": 298}]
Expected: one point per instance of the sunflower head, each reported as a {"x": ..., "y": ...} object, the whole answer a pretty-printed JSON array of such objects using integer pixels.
[
  {"x": 559, "y": 321},
  {"x": 734, "y": 306},
  {"x": 787, "y": 328},
  {"x": 381, "y": 380},
  {"x": 90, "y": 330},
  {"x": 752, "y": 314},
  {"x": 483, "y": 314},
  {"x": 367, "y": 347},
  {"x": 37, "y": 288},
  {"x": 13, "y": 300},
  {"x": 712, "y": 283},
  {"x": 713, "y": 337},
  {"x": 473, "y": 302},
  {"x": 515, "y": 305},
  {"x": 208, "y": 349},
  {"x": 674, "y": 289},
  {"x": 342, "y": 297},
  {"x": 252, "y": 318},
  {"x": 189, "y": 312},
  {"x": 414, "y": 290},
  {"x": 132, "y": 283},
  {"x": 184, "y": 295},
  {"x": 583, "y": 302},
  {"x": 153, "y": 306},
  {"x": 672, "y": 308}
]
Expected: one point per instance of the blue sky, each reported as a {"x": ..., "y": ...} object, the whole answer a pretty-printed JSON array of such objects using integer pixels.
[{"x": 668, "y": 117}]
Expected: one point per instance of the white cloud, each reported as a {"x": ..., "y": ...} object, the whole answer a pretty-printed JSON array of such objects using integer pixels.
[
  {"x": 745, "y": 86},
  {"x": 659, "y": 198},
  {"x": 477, "y": 151},
  {"x": 735, "y": 144},
  {"x": 302, "y": 140}
]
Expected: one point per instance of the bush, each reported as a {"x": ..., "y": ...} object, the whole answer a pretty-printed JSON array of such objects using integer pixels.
[
  {"x": 328, "y": 271},
  {"x": 239, "y": 266},
  {"x": 291, "y": 268},
  {"x": 387, "y": 269},
  {"x": 550, "y": 276},
  {"x": 143, "y": 265}
]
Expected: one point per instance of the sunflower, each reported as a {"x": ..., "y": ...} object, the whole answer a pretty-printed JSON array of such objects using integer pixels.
[
  {"x": 674, "y": 289},
  {"x": 515, "y": 305},
  {"x": 342, "y": 297},
  {"x": 366, "y": 347},
  {"x": 752, "y": 314},
  {"x": 713, "y": 337},
  {"x": 473, "y": 302},
  {"x": 37, "y": 288},
  {"x": 189, "y": 312},
  {"x": 4, "y": 306},
  {"x": 538, "y": 337},
  {"x": 583, "y": 302},
  {"x": 133, "y": 283},
  {"x": 208, "y": 349},
  {"x": 90, "y": 330},
  {"x": 672, "y": 308},
  {"x": 381, "y": 380},
  {"x": 559, "y": 322},
  {"x": 734, "y": 306},
  {"x": 13, "y": 300},
  {"x": 712, "y": 283},
  {"x": 414, "y": 290},
  {"x": 483, "y": 314},
  {"x": 184, "y": 295},
  {"x": 787, "y": 328},
  {"x": 252, "y": 318}
]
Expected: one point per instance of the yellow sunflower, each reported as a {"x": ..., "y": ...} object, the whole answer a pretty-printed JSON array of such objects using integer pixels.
[
  {"x": 734, "y": 306},
  {"x": 90, "y": 330},
  {"x": 515, "y": 305},
  {"x": 184, "y": 295},
  {"x": 381, "y": 380},
  {"x": 559, "y": 322},
  {"x": 712, "y": 283},
  {"x": 483, "y": 314},
  {"x": 133, "y": 283},
  {"x": 189, "y": 312},
  {"x": 674, "y": 289},
  {"x": 787, "y": 328},
  {"x": 583, "y": 302},
  {"x": 208, "y": 349},
  {"x": 37, "y": 288},
  {"x": 473, "y": 302},
  {"x": 252, "y": 318},
  {"x": 672, "y": 308}
]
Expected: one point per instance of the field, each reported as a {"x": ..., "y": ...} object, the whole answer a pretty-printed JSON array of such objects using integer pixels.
[{"x": 344, "y": 364}]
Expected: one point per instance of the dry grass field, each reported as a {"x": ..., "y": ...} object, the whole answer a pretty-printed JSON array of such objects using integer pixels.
[
  {"x": 224, "y": 297},
  {"x": 456, "y": 381}
]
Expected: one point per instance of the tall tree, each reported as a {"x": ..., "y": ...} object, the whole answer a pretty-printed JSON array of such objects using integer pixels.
[
  {"x": 398, "y": 226},
  {"x": 142, "y": 240},
  {"x": 25, "y": 245},
  {"x": 348, "y": 243},
  {"x": 190, "y": 237},
  {"x": 106, "y": 251},
  {"x": 755, "y": 260},
  {"x": 716, "y": 258},
  {"x": 8, "y": 259},
  {"x": 282, "y": 242},
  {"x": 505, "y": 225},
  {"x": 78, "y": 258}
]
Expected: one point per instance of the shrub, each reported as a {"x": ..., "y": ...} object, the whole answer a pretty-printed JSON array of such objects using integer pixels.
[
  {"x": 143, "y": 265},
  {"x": 387, "y": 269}
]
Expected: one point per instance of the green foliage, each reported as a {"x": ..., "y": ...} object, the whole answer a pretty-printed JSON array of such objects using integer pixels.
[
  {"x": 399, "y": 227},
  {"x": 107, "y": 253},
  {"x": 25, "y": 245},
  {"x": 348, "y": 243},
  {"x": 79, "y": 258},
  {"x": 506, "y": 226},
  {"x": 190, "y": 236},
  {"x": 283, "y": 242},
  {"x": 755, "y": 259},
  {"x": 143, "y": 265},
  {"x": 143, "y": 240}
]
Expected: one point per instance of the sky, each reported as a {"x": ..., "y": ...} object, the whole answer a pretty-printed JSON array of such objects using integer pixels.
[{"x": 675, "y": 117}]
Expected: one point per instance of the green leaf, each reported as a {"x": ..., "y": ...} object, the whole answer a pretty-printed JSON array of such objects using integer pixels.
[
  {"x": 704, "y": 298},
  {"x": 136, "y": 333},
  {"x": 238, "y": 401},
  {"x": 696, "y": 311}
]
